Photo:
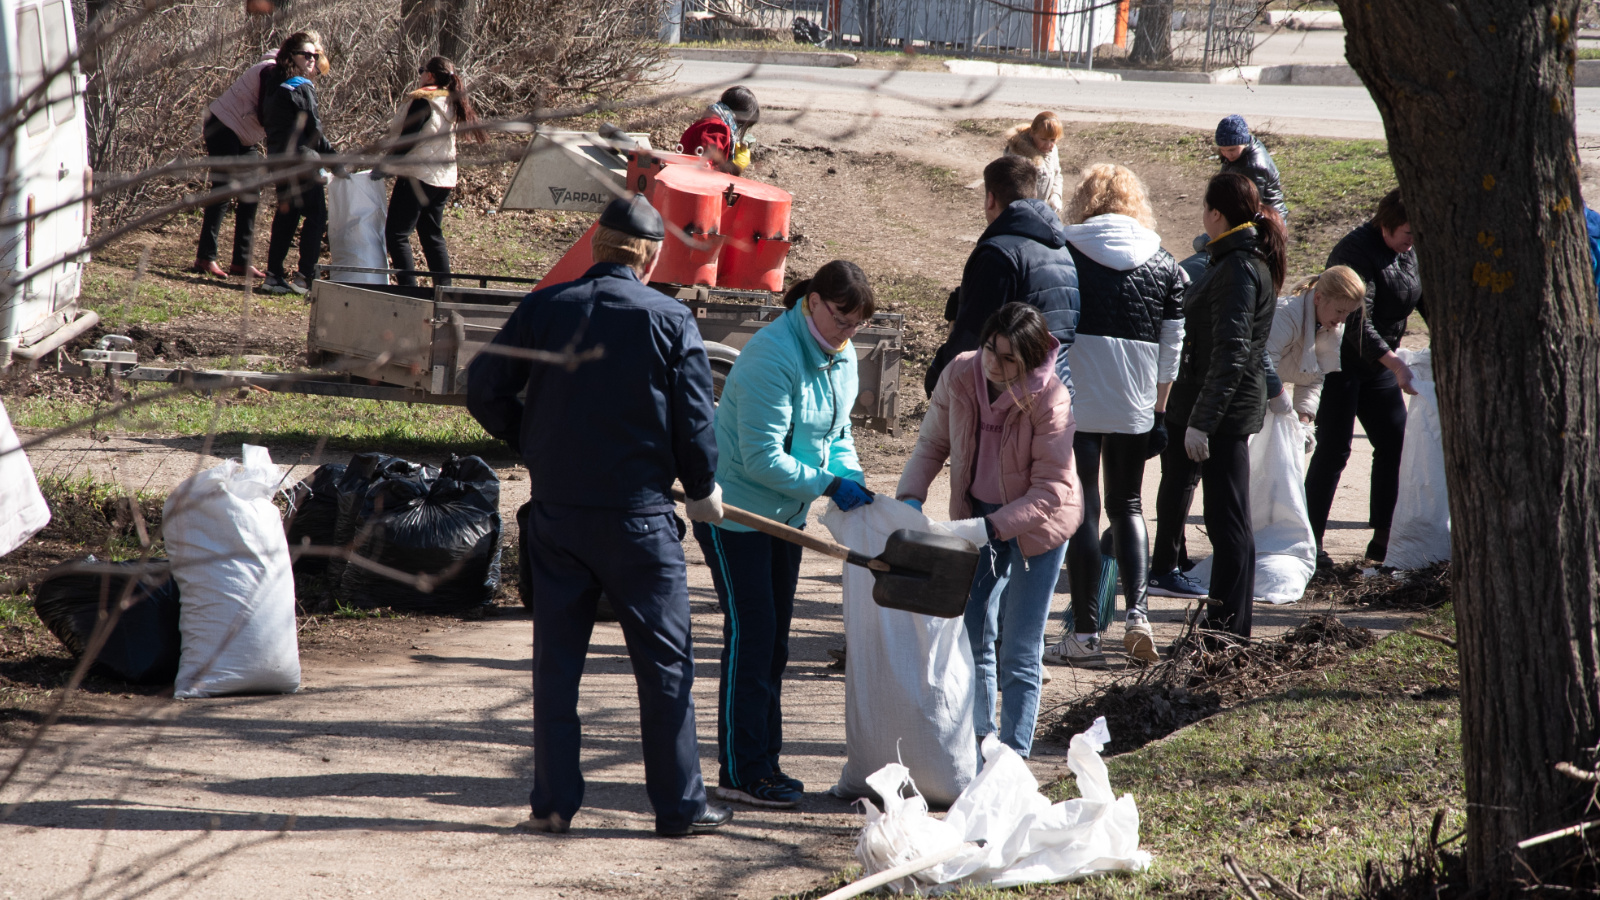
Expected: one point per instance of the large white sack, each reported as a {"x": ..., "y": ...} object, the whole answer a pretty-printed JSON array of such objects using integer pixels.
[
  {"x": 908, "y": 686},
  {"x": 235, "y": 583},
  {"x": 1420, "y": 534},
  {"x": 358, "y": 208},
  {"x": 23, "y": 511},
  {"x": 1286, "y": 550},
  {"x": 1025, "y": 838}
]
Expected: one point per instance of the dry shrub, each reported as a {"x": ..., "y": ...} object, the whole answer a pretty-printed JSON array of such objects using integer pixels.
[{"x": 149, "y": 84}]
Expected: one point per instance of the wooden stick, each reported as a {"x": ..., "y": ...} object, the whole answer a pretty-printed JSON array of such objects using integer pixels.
[
  {"x": 1579, "y": 828},
  {"x": 857, "y": 888},
  {"x": 793, "y": 535},
  {"x": 1572, "y": 771},
  {"x": 1281, "y": 889},
  {"x": 1228, "y": 862},
  {"x": 1448, "y": 642}
]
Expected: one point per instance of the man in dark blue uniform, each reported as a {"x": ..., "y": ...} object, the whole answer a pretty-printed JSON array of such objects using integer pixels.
[{"x": 603, "y": 442}]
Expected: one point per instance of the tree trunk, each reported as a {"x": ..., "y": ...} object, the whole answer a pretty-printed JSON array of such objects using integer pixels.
[
  {"x": 1152, "y": 38},
  {"x": 460, "y": 28},
  {"x": 1477, "y": 103}
]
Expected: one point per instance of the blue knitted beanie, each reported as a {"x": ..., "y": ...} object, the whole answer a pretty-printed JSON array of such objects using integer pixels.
[{"x": 1233, "y": 132}]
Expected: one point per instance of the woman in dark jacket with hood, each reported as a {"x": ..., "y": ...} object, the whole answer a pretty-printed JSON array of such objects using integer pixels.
[
  {"x": 1371, "y": 377},
  {"x": 1220, "y": 396},
  {"x": 289, "y": 117}
]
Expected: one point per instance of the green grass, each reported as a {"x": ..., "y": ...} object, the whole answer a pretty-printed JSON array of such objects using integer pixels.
[
  {"x": 123, "y": 300},
  {"x": 1332, "y": 186},
  {"x": 271, "y": 419},
  {"x": 1589, "y": 52},
  {"x": 15, "y": 610},
  {"x": 96, "y": 515},
  {"x": 1312, "y": 782}
]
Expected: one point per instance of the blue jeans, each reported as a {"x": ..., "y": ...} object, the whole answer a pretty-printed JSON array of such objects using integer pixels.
[{"x": 1017, "y": 591}]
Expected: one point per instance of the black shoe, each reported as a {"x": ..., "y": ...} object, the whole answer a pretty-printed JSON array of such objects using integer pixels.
[
  {"x": 1378, "y": 547},
  {"x": 1324, "y": 561},
  {"x": 710, "y": 819}
]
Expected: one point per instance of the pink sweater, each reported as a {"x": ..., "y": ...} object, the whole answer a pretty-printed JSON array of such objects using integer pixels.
[{"x": 236, "y": 108}]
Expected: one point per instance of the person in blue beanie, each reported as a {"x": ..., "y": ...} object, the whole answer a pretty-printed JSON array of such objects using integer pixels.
[
  {"x": 1243, "y": 153},
  {"x": 783, "y": 441},
  {"x": 603, "y": 441}
]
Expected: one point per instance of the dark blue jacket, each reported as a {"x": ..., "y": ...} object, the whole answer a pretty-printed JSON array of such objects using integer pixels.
[
  {"x": 614, "y": 432},
  {"x": 1022, "y": 257}
]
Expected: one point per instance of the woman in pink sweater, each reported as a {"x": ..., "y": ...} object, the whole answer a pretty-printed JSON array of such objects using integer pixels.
[{"x": 1003, "y": 419}]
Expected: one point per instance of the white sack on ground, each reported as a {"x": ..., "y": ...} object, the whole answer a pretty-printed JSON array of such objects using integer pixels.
[
  {"x": 23, "y": 511},
  {"x": 1286, "y": 550},
  {"x": 1027, "y": 839},
  {"x": 1420, "y": 534},
  {"x": 236, "y": 588},
  {"x": 358, "y": 208},
  {"x": 908, "y": 683}
]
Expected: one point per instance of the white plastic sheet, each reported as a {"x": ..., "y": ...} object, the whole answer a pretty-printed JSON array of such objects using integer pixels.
[
  {"x": 1286, "y": 550},
  {"x": 358, "y": 208},
  {"x": 1420, "y": 534},
  {"x": 1026, "y": 839},
  {"x": 23, "y": 511},
  {"x": 908, "y": 685},
  {"x": 231, "y": 560}
]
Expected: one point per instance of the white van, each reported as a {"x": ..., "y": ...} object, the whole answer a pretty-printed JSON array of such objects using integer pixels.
[{"x": 46, "y": 166}]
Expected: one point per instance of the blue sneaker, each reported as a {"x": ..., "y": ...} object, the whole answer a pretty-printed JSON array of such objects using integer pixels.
[
  {"x": 795, "y": 783},
  {"x": 769, "y": 792},
  {"x": 1175, "y": 584}
]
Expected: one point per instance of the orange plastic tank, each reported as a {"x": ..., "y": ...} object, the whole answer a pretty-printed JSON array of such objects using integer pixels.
[
  {"x": 645, "y": 165},
  {"x": 690, "y": 201},
  {"x": 755, "y": 236}
]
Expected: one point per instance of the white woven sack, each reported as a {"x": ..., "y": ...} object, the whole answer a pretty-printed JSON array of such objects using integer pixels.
[
  {"x": 1420, "y": 534},
  {"x": 908, "y": 686},
  {"x": 236, "y": 587},
  {"x": 358, "y": 209},
  {"x": 23, "y": 511}
]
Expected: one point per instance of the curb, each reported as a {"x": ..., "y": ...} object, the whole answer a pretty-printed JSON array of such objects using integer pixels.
[
  {"x": 768, "y": 57},
  {"x": 1587, "y": 74},
  {"x": 1325, "y": 76},
  {"x": 1015, "y": 70},
  {"x": 1238, "y": 75}
]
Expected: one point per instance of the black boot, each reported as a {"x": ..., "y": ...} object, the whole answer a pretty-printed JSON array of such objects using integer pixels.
[{"x": 1378, "y": 548}]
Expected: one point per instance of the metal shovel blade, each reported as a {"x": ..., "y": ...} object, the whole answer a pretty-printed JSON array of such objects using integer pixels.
[{"x": 930, "y": 574}]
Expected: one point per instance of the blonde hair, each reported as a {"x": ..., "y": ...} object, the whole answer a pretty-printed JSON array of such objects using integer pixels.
[
  {"x": 612, "y": 246},
  {"x": 1046, "y": 125},
  {"x": 1340, "y": 283},
  {"x": 1108, "y": 188}
]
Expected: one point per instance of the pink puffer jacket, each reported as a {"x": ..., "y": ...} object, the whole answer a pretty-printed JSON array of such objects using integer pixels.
[
  {"x": 236, "y": 108},
  {"x": 1038, "y": 476}
]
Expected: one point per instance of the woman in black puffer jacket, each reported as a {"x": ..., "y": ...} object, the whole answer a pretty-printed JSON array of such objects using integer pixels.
[
  {"x": 1130, "y": 328},
  {"x": 1220, "y": 397},
  {"x": 1371, "y": 377}
]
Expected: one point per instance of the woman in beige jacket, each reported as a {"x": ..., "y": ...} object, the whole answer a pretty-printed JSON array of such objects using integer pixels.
[
  {"x": 1036, "y": 143},
  {"x": 1003, "y": 419},
  {"x": 1306, "y": 330}
]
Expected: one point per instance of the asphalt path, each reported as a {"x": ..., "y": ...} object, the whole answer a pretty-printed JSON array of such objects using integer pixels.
[{"x": 1339, "y": 112}]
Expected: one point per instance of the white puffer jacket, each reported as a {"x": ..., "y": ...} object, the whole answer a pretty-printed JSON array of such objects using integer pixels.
[
  {"x": 1303, "y": 352},
  {"x": 432, "y": 159}
]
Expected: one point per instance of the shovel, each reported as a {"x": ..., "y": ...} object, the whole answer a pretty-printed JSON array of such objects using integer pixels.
[{"x": 918, "y": 571}]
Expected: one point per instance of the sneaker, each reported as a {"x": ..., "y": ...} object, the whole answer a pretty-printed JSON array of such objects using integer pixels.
[
  {"x": 275, "y": 284},
  {"x": 769, "y": 792},
  {"x": 710, "y": 819},
  {"x": 1175, "y": 584},
  {"x": 302, "y": 281},
  {"x": 1139, "y": 642},
  {"x": 1076, "y": 653},
  {"x": 795, "y": 783},
  {"x": 554, "y": 823}
]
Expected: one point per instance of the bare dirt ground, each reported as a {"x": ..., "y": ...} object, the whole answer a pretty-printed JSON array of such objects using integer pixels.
[{"x": 400, "y": 767}]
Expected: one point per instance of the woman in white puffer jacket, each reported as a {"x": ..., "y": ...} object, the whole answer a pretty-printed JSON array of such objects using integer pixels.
[{"x": 1306, "y": 330}]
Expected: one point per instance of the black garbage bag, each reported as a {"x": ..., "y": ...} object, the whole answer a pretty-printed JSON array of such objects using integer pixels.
[
  {"x": 446, "y": 526},
  {"x": 313, "y": 518},
  {"x": 354, "y": 493},
  {"x": 143, "y": 646}
]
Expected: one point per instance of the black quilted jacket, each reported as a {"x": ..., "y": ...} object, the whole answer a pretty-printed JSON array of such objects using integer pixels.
[
  {"x": 1256, "y": 164},
  {"x": 1394, "y": 291},
  {"x": 1221, "y": 386},
  {"x": 1129, "y": 304}
]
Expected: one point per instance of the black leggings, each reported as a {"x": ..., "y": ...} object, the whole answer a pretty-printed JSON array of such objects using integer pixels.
[
  {"x": 1123, "y": 456},
  {"x": 1227, "y": 515},
  {"x": 416, "y": 206},
  {"x": 222, "y": 141},
  {"x": 1375, "y": 399}
]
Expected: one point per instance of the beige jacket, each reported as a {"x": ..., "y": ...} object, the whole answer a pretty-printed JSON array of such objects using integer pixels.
[
  {"x": 1018, "y": 143},
  {"x": 1301, "y": 352},
  {"x": 432, "y": 159},
  {"x": 238, "y": 106}
]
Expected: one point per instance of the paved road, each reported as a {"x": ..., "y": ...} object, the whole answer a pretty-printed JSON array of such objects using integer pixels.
[{"x": 1340, "y": 112}]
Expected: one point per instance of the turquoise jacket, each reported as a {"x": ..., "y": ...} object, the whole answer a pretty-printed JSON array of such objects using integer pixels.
[{"x": 783, "y": 423}]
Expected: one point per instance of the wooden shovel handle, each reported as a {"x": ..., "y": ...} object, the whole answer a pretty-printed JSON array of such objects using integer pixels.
[{"x": 793, "y": 535}]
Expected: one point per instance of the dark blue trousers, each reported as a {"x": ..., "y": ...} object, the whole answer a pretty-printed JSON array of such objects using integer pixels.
[
  {"x": 755, "y": 576},
  {"x": 574, "y": 553}
]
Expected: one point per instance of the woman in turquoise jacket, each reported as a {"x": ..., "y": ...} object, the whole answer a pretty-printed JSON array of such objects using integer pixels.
[{"x": 783, "y": 440}]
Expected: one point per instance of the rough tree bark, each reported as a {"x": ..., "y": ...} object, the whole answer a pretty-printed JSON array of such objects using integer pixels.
[
  {"x": 1477, "y": 103},
  {"x": 1152, "y": 38},
  {"x": 460, "y": 28}
]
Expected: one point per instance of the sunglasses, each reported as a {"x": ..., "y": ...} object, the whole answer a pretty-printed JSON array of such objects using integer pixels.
[{"x": 308, "y": 54}]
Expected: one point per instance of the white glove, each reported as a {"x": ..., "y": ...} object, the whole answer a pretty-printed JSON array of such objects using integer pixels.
[
  {"x": 708, "y": 508},
  {"x": 974, "y": 530},
  {"x": 1280, "y": 404},
  {"x": 1197, "y": 445}
]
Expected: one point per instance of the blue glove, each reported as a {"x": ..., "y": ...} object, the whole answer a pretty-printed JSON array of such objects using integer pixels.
[
  {"x": 914, "y": 503},
  {"x": 848, "y": 494}
]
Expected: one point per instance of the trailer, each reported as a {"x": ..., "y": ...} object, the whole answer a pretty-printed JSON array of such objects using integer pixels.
[{"x": 379, "y": 341}]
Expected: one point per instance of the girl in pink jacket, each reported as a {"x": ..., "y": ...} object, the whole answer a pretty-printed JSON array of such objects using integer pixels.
[{"x": 1003, "y": 419}]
